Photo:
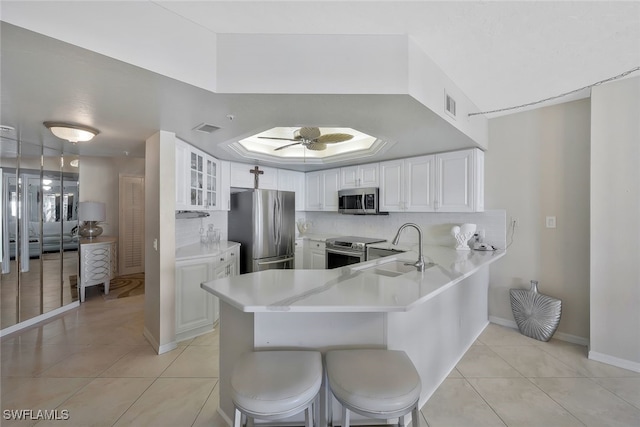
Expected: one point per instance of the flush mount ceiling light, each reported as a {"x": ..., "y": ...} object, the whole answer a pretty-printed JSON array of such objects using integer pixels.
[{"x": 71, "y": 132}]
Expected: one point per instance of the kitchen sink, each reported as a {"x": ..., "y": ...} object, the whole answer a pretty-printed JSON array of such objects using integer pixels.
[{"x": 393, "y": 268}]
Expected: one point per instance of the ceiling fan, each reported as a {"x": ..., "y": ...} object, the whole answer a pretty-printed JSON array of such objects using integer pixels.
[{"x": 312, "y": 139}]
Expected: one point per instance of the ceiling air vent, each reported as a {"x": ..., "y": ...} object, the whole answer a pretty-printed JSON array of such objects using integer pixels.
[
  {"x": 449, "y": 105},
  {"x": 206, "y": 128}
]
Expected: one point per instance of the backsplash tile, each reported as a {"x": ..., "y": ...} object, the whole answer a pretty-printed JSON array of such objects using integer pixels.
[
  {"x": 436, "y": 226},
  {"x": 188, "y": 230}
]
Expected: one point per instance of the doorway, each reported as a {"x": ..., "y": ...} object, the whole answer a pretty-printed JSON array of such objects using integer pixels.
[{"x": 131, "y": 224}]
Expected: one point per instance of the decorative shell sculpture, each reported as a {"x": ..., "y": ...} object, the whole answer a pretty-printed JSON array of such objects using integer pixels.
[{"x": 536, "y": 314}]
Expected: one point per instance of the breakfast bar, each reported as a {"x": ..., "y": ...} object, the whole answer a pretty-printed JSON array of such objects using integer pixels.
[{"x": 434, "y": 315}]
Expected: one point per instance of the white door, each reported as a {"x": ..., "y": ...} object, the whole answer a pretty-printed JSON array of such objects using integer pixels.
[{"x": 131, "y": 236}]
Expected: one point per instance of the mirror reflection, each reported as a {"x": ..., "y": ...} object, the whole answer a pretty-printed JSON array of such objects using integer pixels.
[{"x": 39, "y": 250}]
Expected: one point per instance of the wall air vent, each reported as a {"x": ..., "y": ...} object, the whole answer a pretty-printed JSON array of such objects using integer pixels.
[
  {"x": 449, "y": 105},
  {"x": 206, "y": 128}
]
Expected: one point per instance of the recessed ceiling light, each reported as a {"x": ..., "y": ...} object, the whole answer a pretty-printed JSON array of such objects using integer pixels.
[
  {"x": 72, "y": 132},
  {"x": 5, "y": 128}
]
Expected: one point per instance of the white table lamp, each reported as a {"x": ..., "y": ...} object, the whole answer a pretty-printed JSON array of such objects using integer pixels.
[{"x": 90, "y": 213}]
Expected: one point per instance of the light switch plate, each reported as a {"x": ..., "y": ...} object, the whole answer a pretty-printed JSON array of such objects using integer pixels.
[{"x": 551, "y": 222}]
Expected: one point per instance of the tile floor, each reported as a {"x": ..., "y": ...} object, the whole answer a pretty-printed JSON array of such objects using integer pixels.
[{"x": 94, "y": 363}]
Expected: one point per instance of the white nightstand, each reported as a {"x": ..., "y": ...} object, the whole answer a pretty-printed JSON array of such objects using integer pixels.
[{"x": 98, "y": 263}]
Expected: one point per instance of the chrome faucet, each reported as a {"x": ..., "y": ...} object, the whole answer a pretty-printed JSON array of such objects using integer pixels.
[{"x": 420, "y": 263}]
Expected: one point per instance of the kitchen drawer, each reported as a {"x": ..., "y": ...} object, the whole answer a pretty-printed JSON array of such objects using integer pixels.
[
  {"x": 316, "y": 245},
  {"x": 231, "y": 254}
]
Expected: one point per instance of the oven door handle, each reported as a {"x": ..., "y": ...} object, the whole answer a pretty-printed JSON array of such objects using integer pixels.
[{"x": 350, "y": 253}]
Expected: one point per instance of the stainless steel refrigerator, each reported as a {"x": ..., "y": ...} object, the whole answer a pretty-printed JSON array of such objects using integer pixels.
[{"x": 263, "y": 222}]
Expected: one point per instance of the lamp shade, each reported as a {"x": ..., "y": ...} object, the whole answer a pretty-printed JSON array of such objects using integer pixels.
[{"x": 92, "y": 211}]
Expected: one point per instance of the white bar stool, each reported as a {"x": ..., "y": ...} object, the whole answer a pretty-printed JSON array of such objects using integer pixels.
[
  {"x": 272, "y": 385},
  {"x": 375, "y": 383}
]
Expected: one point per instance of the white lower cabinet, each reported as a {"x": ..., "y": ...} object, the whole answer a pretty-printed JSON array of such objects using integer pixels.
[
  {"x": 196, "y": 309},
  {"x": 299, "y": 254},
  {"x": 314, "y": 255}
]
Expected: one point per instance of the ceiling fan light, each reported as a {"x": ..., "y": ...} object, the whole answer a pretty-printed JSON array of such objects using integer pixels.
[{"x": 72, "y": 132}]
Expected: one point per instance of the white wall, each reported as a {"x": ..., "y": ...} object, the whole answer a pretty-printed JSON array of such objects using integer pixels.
[
  {"x": 99, "y": 182},
  {"x": 615, "y": 223},
  {"x": 538, "y": 166},
  {"x": 160, "y": 248}
]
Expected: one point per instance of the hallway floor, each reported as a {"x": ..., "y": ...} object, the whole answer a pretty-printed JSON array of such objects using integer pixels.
[{"x": 94, "y": 363}]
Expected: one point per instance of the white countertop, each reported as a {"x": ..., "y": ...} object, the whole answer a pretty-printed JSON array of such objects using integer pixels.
[
  {"x": 319, "y": 237},
  {"x": 348, "y": 290},
  {"x": 198, "y": 250}
]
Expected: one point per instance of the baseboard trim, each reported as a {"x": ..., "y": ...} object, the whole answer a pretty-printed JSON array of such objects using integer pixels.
[
  {"x": 615, "y": 361},
  {"x": 41, "y": 318},
  {"x": 160, "y": 349},
  {"x": 574, "y": 339}
]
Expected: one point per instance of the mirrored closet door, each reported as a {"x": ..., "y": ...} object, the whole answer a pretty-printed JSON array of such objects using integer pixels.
[{"x": 39, "y": 249}]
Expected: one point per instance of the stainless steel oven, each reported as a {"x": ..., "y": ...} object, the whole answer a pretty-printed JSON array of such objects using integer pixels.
[{"x": 341, "y": 251}]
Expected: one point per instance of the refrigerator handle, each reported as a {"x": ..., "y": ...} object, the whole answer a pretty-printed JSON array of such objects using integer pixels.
[
  {"x": 279, "y": 261},
  {"x": 278, "y": 219},
  {"x": 275, "y": 221}
]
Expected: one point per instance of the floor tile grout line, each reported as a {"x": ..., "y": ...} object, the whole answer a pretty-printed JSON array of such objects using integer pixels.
[
  {"x": 551, "y": 397},
  {"x": 205, "y": 401},
  {"x": 485, "y": 400},
  {"x": 613, "y": 393},
  {"x": 134, "y": 401}
]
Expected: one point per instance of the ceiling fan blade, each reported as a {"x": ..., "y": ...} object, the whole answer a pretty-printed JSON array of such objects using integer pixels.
[
  {"x": 317, "y": 146},
  {"x": 309, "y": 132},
  {"x": 281, "y": 139},
  {"x": 288, "y": 145},
  {"x": 331, "y": 138}
]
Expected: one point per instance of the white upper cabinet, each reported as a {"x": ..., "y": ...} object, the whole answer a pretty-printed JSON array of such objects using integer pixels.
[
  {"x": 190, "y": 177},
  {"x": 419, "y": 184},
  {"x": 182, "y": 175},
  {"x": 407, "y": 185},
  {"x": 224, "y": 171},
  {"x": 359, "y": 176},
  {"x": 460, "y": 181},
  {"x": 293, "y": 181},
  {"x": 211, "y": 183},
  {"x": 447, "y": 182},
  {"x": 321, "y": 190},
  {"x": 242, "y": 177},
  {"x": 198, "y": 184}
]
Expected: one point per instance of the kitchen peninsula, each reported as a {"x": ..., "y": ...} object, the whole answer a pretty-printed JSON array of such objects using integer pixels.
[{"x": 434, "y": 316}]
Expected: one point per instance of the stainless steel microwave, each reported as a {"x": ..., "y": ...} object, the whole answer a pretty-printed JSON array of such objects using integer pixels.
[{"x": 358, "y": 201}]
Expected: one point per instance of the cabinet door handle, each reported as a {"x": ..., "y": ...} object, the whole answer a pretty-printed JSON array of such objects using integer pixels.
[{"x": 221, "y": 258}]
